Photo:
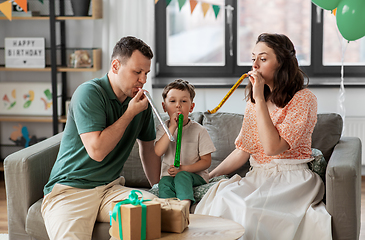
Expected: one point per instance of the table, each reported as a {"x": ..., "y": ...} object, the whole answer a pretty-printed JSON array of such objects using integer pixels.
[{"x": 207, "y": 227}]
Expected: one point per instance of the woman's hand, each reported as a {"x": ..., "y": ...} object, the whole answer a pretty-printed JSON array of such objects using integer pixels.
[
  {"x": 233, "y": 161},
  {"x": 258, "y": 84}
]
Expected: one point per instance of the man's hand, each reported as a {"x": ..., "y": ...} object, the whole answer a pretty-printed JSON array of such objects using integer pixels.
[{"x": 138, "y": 103}]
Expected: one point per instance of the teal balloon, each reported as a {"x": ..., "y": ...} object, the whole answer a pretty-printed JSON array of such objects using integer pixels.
[
  {"x": 350, "y": 17},
  {"x": 327, "y": 4}
]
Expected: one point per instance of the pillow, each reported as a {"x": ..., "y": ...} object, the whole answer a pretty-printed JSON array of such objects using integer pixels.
[
  {"x": 199, "y": 191},
  {"x": 223, "y": 129},
  {"x": 318, "y": 164},
  {"x": 327, "y": 132}
]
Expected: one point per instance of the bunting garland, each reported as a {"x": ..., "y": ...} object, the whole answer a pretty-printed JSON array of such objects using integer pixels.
[
  {"x": 193, "y": 4},
  {"x": 6, "y": 7},
  {"x": 181, "y": 3},
  {"x": 216, "y": 9},
  {"x": 205, "y": 6}
]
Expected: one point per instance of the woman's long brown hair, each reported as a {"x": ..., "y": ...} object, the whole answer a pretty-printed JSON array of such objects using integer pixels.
[{"x": 288, "y": 78}]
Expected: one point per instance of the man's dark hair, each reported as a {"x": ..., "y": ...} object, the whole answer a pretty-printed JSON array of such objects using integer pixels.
[{"x": 124, "y": 48}]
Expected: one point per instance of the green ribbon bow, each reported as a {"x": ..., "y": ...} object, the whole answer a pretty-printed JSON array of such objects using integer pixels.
[{"x": 132, "y": 199}]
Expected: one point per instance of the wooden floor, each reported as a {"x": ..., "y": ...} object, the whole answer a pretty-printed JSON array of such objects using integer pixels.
[{"x": 4, "y": 223}]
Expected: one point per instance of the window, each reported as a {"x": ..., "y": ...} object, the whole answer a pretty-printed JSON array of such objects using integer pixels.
[{"x": 196, "y": 42}]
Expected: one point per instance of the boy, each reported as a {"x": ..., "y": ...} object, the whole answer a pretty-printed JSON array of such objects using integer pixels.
[{"x": 196, "y": 145}]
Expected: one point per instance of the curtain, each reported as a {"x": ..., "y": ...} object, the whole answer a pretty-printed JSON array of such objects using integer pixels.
[{"x": 127, "y": 18}]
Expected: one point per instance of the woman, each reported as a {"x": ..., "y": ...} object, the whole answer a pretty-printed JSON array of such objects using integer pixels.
[{"x": 280, "y": 198}]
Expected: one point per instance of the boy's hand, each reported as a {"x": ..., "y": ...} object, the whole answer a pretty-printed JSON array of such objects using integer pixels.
[
  {"x": 174, "y": 120},
  {"x": 173, "y": 171}
]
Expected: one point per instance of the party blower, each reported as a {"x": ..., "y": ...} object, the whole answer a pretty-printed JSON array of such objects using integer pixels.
[
  {"x": 148, "y": 96},
  {"x": 178, "y": 141},
  {"x": 235, "y": 86}
]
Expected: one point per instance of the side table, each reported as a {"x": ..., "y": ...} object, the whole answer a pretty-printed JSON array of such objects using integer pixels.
[{"x": 207, "y": 227}]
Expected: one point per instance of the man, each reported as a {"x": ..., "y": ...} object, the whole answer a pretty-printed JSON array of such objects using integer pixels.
[{"x": 105, "y": 118}]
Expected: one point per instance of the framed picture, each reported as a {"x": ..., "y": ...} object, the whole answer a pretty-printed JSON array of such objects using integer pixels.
[{"x": 27, "y": 99}]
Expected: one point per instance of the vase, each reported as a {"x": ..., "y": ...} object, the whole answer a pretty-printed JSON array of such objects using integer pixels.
[{"x": 80, "y": 7}]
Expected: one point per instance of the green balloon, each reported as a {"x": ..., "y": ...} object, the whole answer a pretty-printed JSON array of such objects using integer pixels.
[
  {"x": 350, "y": 18},
  {"x": 327, "y": 4}
]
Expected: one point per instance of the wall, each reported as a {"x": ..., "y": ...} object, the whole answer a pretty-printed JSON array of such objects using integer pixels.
[{"x": 209, "y": 98}]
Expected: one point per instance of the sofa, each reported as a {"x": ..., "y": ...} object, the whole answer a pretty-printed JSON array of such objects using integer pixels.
[{"x": 27, "y": 171}]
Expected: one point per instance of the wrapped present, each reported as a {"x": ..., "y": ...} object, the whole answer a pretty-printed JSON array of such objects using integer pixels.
[
  {"x": 135, "y": 219},
  {"x": 174, "y": 214}
]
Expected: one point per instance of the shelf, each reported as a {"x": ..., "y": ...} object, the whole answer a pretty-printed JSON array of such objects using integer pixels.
[
  {"x": 96, "y": 66},
  {"x": 96, "y": 13},
  {"x": 27, "y": 18},
  {"x": 46, "y": 69},
  {"x": 23, "y": 118}
]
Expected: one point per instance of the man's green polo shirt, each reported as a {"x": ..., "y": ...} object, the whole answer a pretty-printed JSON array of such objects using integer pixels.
[{"x": 90, "y": 110}]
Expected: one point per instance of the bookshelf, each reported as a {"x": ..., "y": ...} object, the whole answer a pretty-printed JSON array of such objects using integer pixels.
[{"x": 57, "y": 65}]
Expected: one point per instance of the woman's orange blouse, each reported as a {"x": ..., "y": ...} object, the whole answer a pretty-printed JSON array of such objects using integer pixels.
[{"x": 295, "y": 123}]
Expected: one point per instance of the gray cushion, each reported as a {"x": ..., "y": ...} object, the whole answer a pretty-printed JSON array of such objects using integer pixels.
[
  {"x": 327, "y": 133},
  {"x": 223, "y": 129},
  {"x": 34, "y": 225}
]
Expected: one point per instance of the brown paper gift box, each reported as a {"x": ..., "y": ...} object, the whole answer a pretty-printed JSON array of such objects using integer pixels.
[
  {"x": 174, "y": 214},
  {"x": 131, "y": 221}
]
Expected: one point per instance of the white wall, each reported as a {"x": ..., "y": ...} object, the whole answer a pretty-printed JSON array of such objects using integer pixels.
[{"x": 209, "y": 98}]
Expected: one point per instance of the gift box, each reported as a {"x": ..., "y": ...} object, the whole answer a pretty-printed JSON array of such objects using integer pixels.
[
  {"x": 174, "y": 214},
  {"x": 134, "y": 222}
]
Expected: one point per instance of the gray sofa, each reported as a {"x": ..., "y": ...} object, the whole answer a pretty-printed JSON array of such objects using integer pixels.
[{"x": 27, "y": 171}]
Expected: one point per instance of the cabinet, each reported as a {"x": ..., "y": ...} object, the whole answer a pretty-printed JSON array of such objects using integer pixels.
[{"x": 56, "y": 59}]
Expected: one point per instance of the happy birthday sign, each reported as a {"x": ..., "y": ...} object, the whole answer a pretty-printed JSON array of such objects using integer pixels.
[{"x": 24, "y": 53}]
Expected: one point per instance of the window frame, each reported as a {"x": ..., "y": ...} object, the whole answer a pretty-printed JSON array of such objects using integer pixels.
[{"x": 231, "y": 69}]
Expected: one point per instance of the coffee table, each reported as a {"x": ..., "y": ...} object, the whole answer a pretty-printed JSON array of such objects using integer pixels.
[{"x": 207, "y": 227}]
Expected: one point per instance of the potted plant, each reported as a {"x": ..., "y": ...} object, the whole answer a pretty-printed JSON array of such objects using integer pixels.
[{"x": 80, "y": 7}]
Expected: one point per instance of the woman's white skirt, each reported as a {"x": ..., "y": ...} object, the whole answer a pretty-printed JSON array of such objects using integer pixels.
[{"x": 278, "y": 200}]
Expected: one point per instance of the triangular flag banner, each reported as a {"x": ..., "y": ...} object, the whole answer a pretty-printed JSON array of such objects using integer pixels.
[
  {"x": 167, "y": 2},
  {"x": 193, "y": 4},
  {"x": 22, "y": 4},
  {"x": 216, "y": 9},
  {"x": 6, "y": 8},
  {"x": 42, "y": 1},
  {"x": 205, "y": 8},
  {"x": 156, "y": 1},
  {"x": 181, "y": 3}
]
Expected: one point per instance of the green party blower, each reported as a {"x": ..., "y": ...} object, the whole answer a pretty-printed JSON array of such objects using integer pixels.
[{"x": 178, "y": 141}]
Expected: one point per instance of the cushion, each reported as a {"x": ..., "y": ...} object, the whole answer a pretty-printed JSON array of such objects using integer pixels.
[
  {"x": 327, "y": 132},
  {"x": 223, "y": 129},
  {"x": 199, "y": 191},
  {"x": 34, "y": 225},
  {"x": 318, "y": 164}
]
